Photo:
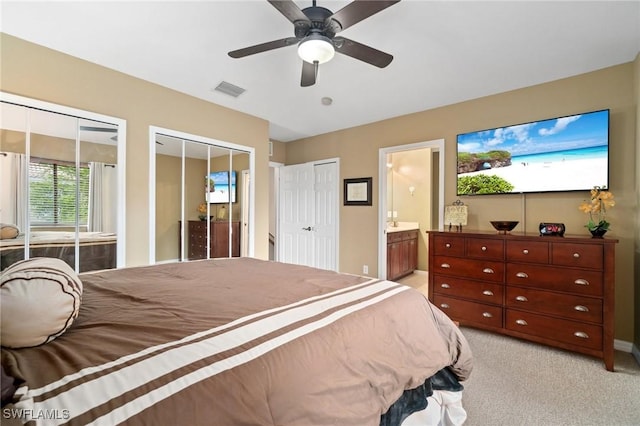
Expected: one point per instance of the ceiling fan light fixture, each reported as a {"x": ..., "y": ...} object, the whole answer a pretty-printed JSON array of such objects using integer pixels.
[{"x": 316, "y": 48}]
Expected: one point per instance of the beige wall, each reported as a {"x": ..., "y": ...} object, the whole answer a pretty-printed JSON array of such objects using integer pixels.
[
  {"x": 40, "y": 73},
  {"x": 611, "y": 88},
  {"x": 279, "y": 152}
]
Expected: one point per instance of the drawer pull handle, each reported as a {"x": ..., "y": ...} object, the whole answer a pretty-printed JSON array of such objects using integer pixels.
[
  {"x": 483, "y": 248},
  {"x": 488, "y": 271},
  {"x": 522, "y": 275},
  {"x": 444, "y": 306},
  {"x": 521, "y": 299},
  {"x": 581, "y": 334},
  {"x": 581, "y": 308},
  {"x": 521, "y": 322},
  {"x": 487, "y": 315},
  {"x": 487, "y": 293},
  {"x": 447, "y": 245},
  {"x": 581, "y": 281},
  {"x": 576, "y": 255},
  {"x": 445, "y": 265},
  {"x": 525, "y": 251},
  {"x": 445, "y": 285}
]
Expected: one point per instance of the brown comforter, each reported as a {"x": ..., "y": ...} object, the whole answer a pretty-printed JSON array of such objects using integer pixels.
[{"x": 235, "y": 342}]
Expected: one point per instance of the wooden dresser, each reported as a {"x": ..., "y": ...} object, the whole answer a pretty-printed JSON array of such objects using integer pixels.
[
  {"x": 402, "y": 253},
  {"x": 219, "y": 239},
  {"x": 558, "y": 291}
]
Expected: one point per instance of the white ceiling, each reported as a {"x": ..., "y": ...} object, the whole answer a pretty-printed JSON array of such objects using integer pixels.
[{"x": 444, "y": 52}]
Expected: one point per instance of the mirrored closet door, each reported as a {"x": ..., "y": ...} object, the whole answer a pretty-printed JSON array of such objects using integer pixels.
[
  {"x": 199, "y": 201},
  {"x": 60, "y": 195}
]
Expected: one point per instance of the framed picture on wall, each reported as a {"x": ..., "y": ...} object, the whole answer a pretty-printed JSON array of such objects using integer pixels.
[{"x": 357, "y": 192}]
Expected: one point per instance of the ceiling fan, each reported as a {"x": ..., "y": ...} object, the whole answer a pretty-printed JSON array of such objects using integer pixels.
[{"x": 315, "y": 30}]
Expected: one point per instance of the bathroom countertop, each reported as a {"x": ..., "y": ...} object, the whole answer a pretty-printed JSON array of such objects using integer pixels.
[{"x": 403, "y": 226}]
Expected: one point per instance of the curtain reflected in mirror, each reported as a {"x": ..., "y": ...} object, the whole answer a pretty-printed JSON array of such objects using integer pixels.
[{"x": 61, "y": 189}]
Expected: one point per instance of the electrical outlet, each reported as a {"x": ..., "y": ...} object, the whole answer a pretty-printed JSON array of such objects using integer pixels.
[{"x": 365, "y": 269}]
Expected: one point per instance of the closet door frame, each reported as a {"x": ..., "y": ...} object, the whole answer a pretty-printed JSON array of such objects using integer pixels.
[{"x": 153, "y": 131}]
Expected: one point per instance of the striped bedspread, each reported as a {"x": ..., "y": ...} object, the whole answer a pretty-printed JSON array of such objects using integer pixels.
[{"x": 235, "y": 342}]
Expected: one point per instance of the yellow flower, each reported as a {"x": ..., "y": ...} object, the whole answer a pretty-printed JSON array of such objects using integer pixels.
[
  {"x": 597, "y": 206},
  {"x": 202, "y": 208}
]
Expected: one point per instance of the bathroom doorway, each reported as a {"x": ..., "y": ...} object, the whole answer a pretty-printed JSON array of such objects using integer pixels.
[{"x": 410, "y": 190}]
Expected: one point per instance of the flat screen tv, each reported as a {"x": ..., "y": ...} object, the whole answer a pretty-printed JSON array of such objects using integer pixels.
[
  {"x": 560, "y": 154},
  {"x": 221, "y": 189}
]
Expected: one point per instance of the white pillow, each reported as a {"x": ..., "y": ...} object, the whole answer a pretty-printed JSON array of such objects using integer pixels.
[{"x": 39, "y": 299}]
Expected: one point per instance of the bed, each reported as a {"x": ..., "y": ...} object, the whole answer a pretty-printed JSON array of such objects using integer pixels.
[
  {"x": 239, "y": 341},
  {"x": 97, "y": 249}
]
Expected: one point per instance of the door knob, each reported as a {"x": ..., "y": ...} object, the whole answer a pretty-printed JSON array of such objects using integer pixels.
[{"x": 308, "y": 228}]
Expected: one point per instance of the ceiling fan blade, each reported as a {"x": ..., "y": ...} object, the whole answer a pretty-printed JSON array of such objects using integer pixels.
[
  {"x": 362, "y": 52},
  {"x": 263, "y": 47},
  {"x": 358, "y": 10},
  {"x": 289, "y": 9},
  {"x": 309, "y": 74}
]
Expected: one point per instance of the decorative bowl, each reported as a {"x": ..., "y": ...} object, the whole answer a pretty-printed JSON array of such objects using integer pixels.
[{"x": 504, "y": 226}]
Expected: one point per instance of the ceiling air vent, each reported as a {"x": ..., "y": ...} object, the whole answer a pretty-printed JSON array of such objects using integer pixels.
[{"x": 229, "y": 89}]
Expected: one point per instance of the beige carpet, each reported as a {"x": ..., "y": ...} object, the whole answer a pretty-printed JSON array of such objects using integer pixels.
[
  {"x": 520, "y": 383},
  {"x": 515, "y": 382}
]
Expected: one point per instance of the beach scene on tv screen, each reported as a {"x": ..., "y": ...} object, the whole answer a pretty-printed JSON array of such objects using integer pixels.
[
  {"x": 561, "y": 154},
  {"x": 219, "y": 187}
]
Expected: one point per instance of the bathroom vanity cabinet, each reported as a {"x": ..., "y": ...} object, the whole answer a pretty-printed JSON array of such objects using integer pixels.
[{"x": 402, "y": 253}]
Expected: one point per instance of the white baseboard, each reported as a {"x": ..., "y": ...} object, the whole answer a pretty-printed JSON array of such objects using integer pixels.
[{"x": 622, "y": 345}]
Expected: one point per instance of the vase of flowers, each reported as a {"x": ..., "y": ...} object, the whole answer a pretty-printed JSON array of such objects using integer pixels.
[
  {"x": 202, "y": 210},
  {"x": 596, "y": 207}
]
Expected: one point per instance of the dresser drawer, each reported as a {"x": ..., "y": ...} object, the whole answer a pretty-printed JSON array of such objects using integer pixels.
[
  {"x": 200, "y": 226},
  {"x": 470, "y": 312},
  {"x": 484, "y": 248},
  {"x": 528, "y": 251},
  {"x": 563, "y": 305},
  {"x": 588, "y": 283},
  {"x": 476, "y": 290},
  {"x": 485, "y": 270},
  {"x": 565, "y": 331},
  {"x": 448, "y": 245},
  {"x": 579, "y": 255}
]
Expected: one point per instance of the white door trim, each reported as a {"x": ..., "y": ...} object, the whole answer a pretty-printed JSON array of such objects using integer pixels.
[
  {"x": 436, "y": 145},
  {"x": 244, "y": 225}
]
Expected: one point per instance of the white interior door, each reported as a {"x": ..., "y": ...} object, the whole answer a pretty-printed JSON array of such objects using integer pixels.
[
  {"x": 308, "y": 215},
  {"x": 326, "y": 213},
  {"x": 296, "y": 214}
]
